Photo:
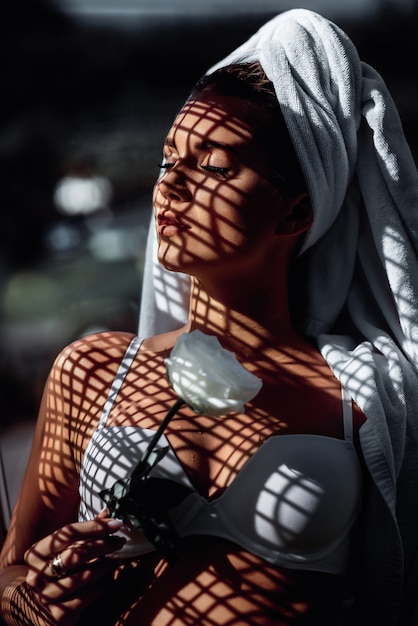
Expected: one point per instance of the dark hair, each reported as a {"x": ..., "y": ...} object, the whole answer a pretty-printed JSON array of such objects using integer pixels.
[{"x": 249, "y": 83}]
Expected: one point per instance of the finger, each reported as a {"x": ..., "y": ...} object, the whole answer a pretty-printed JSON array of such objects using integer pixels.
[
  {"x": 64, "y": 602},
  {"x": 73, "y": 607},
  {"x": 70, "y": 560},
  {"x": 94, "y": 533},
  {"x": 82, "y": 552},
  {"x": 79, "y": 582},
  {"x": 71, "y": 533}
]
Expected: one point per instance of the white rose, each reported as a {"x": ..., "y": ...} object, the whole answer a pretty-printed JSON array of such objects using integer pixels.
[{"x": 209, "y": 378}]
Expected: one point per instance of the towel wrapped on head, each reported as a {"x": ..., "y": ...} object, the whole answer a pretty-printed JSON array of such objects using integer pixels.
[{"x": 359, "y": 259}]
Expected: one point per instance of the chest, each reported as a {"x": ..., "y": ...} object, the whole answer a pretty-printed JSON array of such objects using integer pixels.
[{"x": 213, "y": 450}]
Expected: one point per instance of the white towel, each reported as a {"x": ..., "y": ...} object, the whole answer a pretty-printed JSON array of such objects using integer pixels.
[{"x": 361, "y": 252}]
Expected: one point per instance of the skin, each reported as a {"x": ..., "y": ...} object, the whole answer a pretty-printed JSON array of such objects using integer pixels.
[{"x": 221, "y": 221}]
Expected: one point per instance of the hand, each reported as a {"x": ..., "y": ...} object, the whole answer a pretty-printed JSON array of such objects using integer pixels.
[{"x": 64, "y": 590}]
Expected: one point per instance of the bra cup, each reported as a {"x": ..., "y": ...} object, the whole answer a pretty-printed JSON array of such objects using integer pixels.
[
  {"x": 111, "y": 455},
  {"x": 298, "y": 493}
]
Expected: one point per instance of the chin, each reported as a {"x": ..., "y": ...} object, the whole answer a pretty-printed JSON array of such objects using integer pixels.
[
  {"x": 175, "y": 260},
  {"x": 171, "y": 265}
]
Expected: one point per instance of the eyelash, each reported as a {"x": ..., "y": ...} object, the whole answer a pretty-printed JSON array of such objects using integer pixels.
[{"x": 218, "y": 171}]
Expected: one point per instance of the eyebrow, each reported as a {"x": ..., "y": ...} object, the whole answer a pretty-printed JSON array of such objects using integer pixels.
[
  {"x": 208, "y": 144},
  {"x": 204, "y": 145}
]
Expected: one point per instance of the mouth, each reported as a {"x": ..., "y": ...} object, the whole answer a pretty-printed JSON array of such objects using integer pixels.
[{"x": 169, "y": 225}]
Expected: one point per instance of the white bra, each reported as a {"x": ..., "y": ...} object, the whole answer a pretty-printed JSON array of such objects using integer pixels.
[{"x": 293, "y": 503}]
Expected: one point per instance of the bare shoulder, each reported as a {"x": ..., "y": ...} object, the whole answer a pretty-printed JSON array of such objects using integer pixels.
[
  {"x": 110, "y": 343},
  {"x": 89, "y": 364},
  {"x": 93, "y": 352},
  {"x": 107, "y": 347},
  {"x": 162, "y": 343},
  {"x": 82, "y": 373},
  {"x": 84, "y": 370}
]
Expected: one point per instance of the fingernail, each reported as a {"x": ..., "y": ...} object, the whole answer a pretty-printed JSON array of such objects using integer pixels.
[{"x": 114, "y": 524}]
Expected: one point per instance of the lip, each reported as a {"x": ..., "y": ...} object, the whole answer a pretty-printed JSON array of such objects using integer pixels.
[{"x": 169, "y": 225}]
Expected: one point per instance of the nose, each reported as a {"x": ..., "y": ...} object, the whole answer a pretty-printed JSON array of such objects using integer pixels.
[{"x": 173, "y": 185}]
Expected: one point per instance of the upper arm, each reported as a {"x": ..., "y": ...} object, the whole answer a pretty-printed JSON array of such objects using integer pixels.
[{"x": 73, "y": 399}]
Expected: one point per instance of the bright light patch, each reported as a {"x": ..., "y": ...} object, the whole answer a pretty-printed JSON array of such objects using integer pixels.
[{"x": 77, "y": 195}]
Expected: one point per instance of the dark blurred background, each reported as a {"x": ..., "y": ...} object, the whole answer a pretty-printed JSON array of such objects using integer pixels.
[{"x": 89, "y": 89}]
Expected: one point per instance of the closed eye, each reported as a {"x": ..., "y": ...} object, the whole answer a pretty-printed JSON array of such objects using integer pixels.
[{"x": 219, "y": 171}]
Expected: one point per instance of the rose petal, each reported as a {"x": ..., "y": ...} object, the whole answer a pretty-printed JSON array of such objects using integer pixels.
[{"x": 208, "y": 377}]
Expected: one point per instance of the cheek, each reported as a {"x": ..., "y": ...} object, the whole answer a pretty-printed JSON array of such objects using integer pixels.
[
  {"x": 212, "y": 205},
  {"x": 220, "y": 212},
  {"x": 248, "y": 210}
]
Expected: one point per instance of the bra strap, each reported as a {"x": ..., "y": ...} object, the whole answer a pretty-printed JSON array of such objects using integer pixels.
[
  {"x": 347, "y": 415},
  {"x": 123, "y": 369}
]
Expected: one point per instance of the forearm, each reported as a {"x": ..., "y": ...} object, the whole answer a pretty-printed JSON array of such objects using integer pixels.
[{"x": 18, "y": 605}]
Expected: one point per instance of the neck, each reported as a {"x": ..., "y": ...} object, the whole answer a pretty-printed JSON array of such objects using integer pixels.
[{"x": 246, "y": 320}]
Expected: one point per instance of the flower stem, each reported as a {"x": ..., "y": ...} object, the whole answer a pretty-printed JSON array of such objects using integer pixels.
[{"x": 144, "y": 458}]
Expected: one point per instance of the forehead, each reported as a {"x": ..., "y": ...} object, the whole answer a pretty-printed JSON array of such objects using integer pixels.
[{"x": 214, "y": 118}]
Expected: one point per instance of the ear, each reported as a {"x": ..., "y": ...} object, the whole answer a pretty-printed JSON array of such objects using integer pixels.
[{"x": 297, "y": 217}]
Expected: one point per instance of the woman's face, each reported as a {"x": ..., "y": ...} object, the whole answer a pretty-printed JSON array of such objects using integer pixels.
[{"x": 213, "y": 203}]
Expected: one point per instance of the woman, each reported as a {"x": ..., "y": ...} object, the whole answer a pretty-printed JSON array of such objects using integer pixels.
[
  {"x": 357, "y": 272},
  {"x": 234, "y": 212}
]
